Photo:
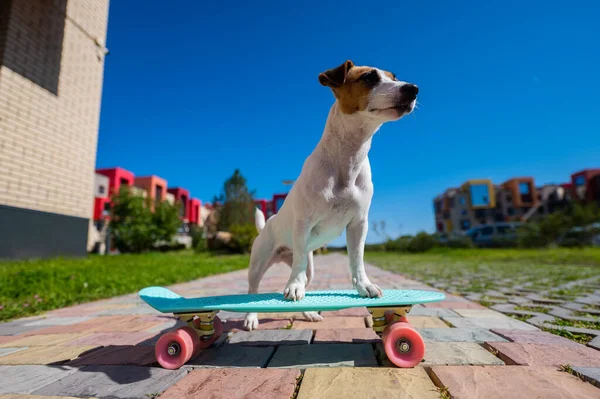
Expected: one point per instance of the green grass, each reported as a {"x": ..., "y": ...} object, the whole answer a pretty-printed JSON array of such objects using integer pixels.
[
  {"x": 30, "y": 287},
  {"x": 583, "y": 339},
  {"x": 592, "y": 325},
  {"x": 538, "y": 309},
  {"x": 479, "y": 270}
]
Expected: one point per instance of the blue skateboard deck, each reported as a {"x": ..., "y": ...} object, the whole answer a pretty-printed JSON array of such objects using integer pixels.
[{"x": 166, "y": 301}]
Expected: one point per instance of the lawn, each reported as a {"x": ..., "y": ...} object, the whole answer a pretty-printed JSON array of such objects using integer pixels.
[
  {"x": 479, "y": 270},
  {"x": 30, "y": 287},
  {"x": 494, "y": 276}
]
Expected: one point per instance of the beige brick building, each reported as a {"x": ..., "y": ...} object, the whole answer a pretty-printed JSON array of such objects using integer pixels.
[{"x": 51, "y": 70}]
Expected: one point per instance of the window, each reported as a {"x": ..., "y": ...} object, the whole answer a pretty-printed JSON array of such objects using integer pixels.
[
  {"x": 487, "y": 231},
  {"x": 480, "y": 195},
  {"x": 464, "y": 212},
  {"x": 159, "y": 194},
  {"x": 451, "y": 202},
  {"x": 446, "y": 215},
  {"x": 523, "y": 188},
  {"x": 510, "y": 211},
  {"x": 462, "y": 201},
  {"x": 437, "y": 205},
  {"x": 465, "y": 224},
  {"x": 480, "y": 213},
  {"x": 509, "y": 198},
  {"x": 499, "y": 217},
  {"x": 580, "y": 180},
  {"x": 101, "y": 189}
]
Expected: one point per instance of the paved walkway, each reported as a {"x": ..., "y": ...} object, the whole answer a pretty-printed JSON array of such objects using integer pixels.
[{"x": 105, "y": 350}]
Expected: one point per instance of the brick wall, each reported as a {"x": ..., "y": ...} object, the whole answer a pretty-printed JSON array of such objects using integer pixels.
[{"x": 50, "y": 92}]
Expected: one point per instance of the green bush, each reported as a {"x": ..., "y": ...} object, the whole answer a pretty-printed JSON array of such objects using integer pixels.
[
  {"x": 198, "y": 239},
  {"x": 422, "y": 242},
  {"x": 242, "y": 237},
  {"x": 135, "y": 228},
  {"x": 459, "y": 242}
]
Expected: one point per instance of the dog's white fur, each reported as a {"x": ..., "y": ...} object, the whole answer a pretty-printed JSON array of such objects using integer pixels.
[{"x": 332, "y": 193}]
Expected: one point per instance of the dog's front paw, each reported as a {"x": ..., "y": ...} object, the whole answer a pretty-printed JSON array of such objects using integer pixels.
[
  {"x": 251, "y": 321},
  {"x": 312, "y": 316},
  {"x": 295, "y": 290},
  {"x": 368, "y": 289}
]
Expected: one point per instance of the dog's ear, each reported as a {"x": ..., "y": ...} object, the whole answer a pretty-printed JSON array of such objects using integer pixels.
[{"x": 336, "y": 77}]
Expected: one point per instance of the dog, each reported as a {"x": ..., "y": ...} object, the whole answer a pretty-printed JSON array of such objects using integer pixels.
[{"x": 334, "y": 189}]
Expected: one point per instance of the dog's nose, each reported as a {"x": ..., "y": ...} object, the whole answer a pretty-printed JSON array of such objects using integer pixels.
[{"x": 409, "y": 91}]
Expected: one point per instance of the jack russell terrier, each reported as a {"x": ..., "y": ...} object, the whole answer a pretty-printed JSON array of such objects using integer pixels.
[{"x": 334, "y": 189}]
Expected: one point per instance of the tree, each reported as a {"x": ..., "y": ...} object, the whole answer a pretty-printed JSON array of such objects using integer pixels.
[
  {"x": 237, "y": 203},
  {"x": 135, "y": 228}
]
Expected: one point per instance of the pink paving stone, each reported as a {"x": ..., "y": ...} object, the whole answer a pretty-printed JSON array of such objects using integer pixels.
[
  {"x": 112, "y": 338},
  {"x": 454, "y": 305},
  {"x": 501, "y": 382},
  {"x": 346, "y": 335},
  {"x": 237, "y": 325},
  {"x": 6, "y": 340},
  {"x": 534, "y": 337},
  {"x": 330, "y": 323},
  {"x": 545, "y": 355},
  {"x": 235, "y": 383},
  {"x": 118, "y": 355},
  {"x": 358, "y": 312}
]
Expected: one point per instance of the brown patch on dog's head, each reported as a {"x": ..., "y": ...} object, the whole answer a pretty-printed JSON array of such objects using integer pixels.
[{"x": 351, "y": 85}]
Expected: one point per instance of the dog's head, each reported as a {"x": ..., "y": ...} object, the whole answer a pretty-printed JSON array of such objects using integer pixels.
[{"x": 370, "y": 91}]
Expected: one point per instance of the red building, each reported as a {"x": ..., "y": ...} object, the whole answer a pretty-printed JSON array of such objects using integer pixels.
[
  {"x": 194, "y": 214},
  {"x": 277, "y": 202},
  {"x": 117, "y": 177},
  {"x": 586, "y": 185},
  {"x": 183, "y": 197}
]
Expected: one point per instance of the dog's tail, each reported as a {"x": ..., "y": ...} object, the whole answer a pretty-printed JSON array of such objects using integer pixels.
[{"x": 259, "y": 220}]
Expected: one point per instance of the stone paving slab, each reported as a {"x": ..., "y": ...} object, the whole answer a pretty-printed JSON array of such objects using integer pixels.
[
  {"x": 8, "y": 351},
  {"x": 489, "y": 323},
  {"x": 118, "y": 355},
  {"x": 237, "y": 356},
  {"x": 329, "y": 323},
  {"x": 356, "y": 312},
  {"x": 454, "y": 305},
  {"x": 458, "y": 353},
  {"x": 124, "y": 382},
  {"x": 25, "y": 396},
  {"x": 545, "y": 355},
  {"x": 459, "y": 335},
  {"x": 45, "y": 355},
  {"x": 534, "y": 337},
  {"x": 6, "y": 339},
  {"x": 437, "y": 312},
  {"x": 426, "y": 322},
  {"x": 57, "y": 321},
  {"x": 112, "y": 338},
  {"x": 26, "y": 379},
  {"x": 344, "y": 383},
  {"x": 269, "y": 324},
  {"x": 16, "y": 328},
  {"x": 324, "y": 355},
  {"x": 271, "y": 337},
  {"x": 501, "y": 382},
  {"x": 44, "y": 340},
  {"x": 346, "y": 335},
  {"x": 590, "y": 374},
  {"x": 235, "y": 383},
  {"x": 480, "y": 313}
]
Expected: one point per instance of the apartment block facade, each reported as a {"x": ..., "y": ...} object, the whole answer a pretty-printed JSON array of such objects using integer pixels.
[
  {"x": 51, "y": 71},
  {"x": 481, "y": 202}
]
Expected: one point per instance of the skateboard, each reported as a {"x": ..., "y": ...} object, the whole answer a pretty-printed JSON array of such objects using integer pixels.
[{"x": 403, "y": 345}]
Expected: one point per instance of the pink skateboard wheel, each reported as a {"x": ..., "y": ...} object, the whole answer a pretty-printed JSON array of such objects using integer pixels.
[
  {"x": 175, "y": 348},
  {"x": 403, "y": 345}
]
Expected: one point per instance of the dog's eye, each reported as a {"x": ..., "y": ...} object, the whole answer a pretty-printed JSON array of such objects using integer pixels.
[{"x": 370, "y": 78}]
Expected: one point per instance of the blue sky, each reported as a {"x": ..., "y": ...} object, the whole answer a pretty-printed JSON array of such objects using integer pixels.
[{"x": 193, "y": 90}]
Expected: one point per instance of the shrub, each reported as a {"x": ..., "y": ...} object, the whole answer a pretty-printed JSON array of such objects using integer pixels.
[
  {"x": 242, "y": 237},
  {"x": 422, "y": 242},
  {"x": 135, "y": 228},
  {"x": 199, "y": 243},
  {"x": 460, "y": 242}
]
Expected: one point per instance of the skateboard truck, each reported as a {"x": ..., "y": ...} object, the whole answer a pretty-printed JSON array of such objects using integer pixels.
[
  {"x": 204, "y": 325},
  {"x": 381, "y": 317}
]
